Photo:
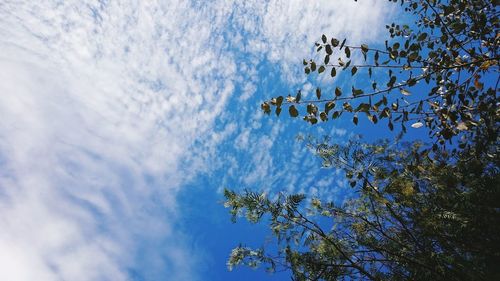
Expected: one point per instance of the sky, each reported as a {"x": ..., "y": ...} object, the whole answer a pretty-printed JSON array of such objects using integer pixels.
[{"x": 122, "y": 122}]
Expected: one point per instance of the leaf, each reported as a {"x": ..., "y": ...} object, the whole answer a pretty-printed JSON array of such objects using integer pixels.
[
  {"x": 313, "y": 66},
  {"x": 307, "y": 70},
  {"x": 323, "y": 116},
  {"x": 342, "y": 44},
  {"x": 404, "y": 92},
  {"x": 411, "y": 82},
  {"x": 328, "y": 49},
  {"x": 422, "y": 36},
  {"x": 278, "y": 111},
  {"x": 298, "y": 96},
  {"x": 391, "y": 81},
  {"x": 323, "y": 38},
  {"x": 364, "y": 48},
  {"x": 318, "y": 93},
  {"x": 312, "y": 109},
  {"x": 354, "y": 70},
  {"x": 329, "y": 106},
  {"x": 347, "y": 106},
  {"x": 327, "y": 59},
  {"x": 373, "y": 118},
  {"x": 321, "y": 69},
  {"x": 333, "y": 72},
  {"x": 265, "y": 107},
  {"x": 355, "y": 120},
  {"x": 338, "y": 92},
  {"x": 279, "y": 101},
  {"x": 335, "y": 42},
  {"x": 363, "y": 107},
  {"x": 356, "y": 92},
  {"x": 293, "y": 111},
  {"x": 417, "y": 125},
  {"x": 347, "y": 52}
]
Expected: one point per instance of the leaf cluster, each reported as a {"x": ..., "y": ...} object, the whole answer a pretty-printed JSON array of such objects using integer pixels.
[
  {"x": 453, "y": 51},
  {"x": 418, "y": 215}
]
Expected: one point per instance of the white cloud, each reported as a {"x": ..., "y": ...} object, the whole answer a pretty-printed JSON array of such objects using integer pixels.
[{"x": 101, "y": 105}]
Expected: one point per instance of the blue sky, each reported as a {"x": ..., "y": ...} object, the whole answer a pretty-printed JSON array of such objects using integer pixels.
[{"x": 123, "y": 120}]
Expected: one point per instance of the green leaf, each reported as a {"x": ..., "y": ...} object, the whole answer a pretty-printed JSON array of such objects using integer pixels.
[
  {"x": 347, "y": 52},
  {"x": 354, "y": 70},
  {"x": 327, "y": 59},
  {"x": 364, "y": 48},
  {"x": 355, "y": 120},
  {"x": 313, "y": 66},
  {"x": 265, "y": 107},
  {"x": 347, "y": 106},
  {"x": 391, "y": 82},
  {"x": 356, "y": 92},
  {"x": 279, "y": 101},
  {"x": 338, "y": 92},
  {"x": 335, "y": 42},
  {"x": 293, "y": 111},
  {"x": 411, "y": 82},
  {"x": 323, "y": 116},
  {"x": 333, "y": 72},
  {"x": 307, "y": 70},
  {"x": 342, "y": 44},
  {"x": 298, "y": 96},
  {"x": 312, "y": 109},
  {"x": 363, "y": 107},
  {"x": 321, "y": 69},
  {"x": 318, "y": 93},
  {"x": 323, "y": 38},
  {"x": 329, "y": 106},
  {"x": 328, "y": 49},
  {"x": 373, "y": 118},
  {"x": 422, "y": 36},
  {"x": 278, "y": 111}
]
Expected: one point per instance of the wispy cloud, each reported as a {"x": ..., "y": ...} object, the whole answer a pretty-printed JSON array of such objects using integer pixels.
[{"x": 106, "y": 109}]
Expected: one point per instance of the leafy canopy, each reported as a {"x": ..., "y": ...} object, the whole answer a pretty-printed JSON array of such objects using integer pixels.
[
  {"x": 417, "y": 211},
  {"x": 452, "y": 49},
  {"x": 416, "y": 215}
]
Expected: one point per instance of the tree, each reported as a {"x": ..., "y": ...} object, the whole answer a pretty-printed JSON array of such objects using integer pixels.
[
  {"x": 452, "y": 48},
  {"x": 416, "y": 215},
  {"x": 417, "y": 211}
]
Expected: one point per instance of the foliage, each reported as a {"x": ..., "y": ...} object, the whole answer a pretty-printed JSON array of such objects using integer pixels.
[
  {"x": 452, "y": 48},
  {"x": 418, "y": 215},
  {"x": 418, "y": 211}
]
